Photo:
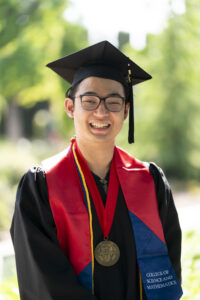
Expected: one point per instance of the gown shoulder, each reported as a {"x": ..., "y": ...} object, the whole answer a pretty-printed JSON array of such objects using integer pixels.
[
  {"x": 44, "y": 272},
  {"x": 169, "y": 216}
]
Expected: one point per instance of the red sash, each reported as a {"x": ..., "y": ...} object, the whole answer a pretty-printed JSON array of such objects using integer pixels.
[{"x": 70, "y": 213}]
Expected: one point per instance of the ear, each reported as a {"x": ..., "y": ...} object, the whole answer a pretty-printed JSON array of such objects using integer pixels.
[
  {"x": 126, "y": 110},
  {"x": 69, "y": 107}
]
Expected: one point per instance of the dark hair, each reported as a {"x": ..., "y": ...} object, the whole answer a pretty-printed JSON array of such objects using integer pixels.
[{"x": 70, "y": 93}]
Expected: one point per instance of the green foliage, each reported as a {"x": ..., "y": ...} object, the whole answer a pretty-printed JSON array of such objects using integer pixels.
[
  {"x": 9, "y": 290},
  {"x": 24, "y": 39},
  {"x": 123, "y": 39},
  {"x": 167, "y": 107},
  {"x": 33, "y": 33},
  {"x": 16, "y": 159},
  {"x": 14, "y": 163},
  {"x": 191, "y": 265},
  {"x": 180, "y": 106}
]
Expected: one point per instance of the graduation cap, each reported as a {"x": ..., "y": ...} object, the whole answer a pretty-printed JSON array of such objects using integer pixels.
[{"x": 105, "y": 61}]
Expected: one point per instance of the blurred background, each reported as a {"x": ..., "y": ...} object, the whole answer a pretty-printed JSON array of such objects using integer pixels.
[{"x": 163, "y": 37}]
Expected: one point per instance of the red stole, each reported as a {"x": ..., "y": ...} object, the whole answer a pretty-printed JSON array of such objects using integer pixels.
[
  {"x": 68, "y": 206},
  {"x": 72, "y": 222}
]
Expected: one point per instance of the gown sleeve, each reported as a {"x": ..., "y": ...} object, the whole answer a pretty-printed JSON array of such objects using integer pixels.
[
  {"x": 44, "y": 272},
  {"x": 169, "y": 217}
]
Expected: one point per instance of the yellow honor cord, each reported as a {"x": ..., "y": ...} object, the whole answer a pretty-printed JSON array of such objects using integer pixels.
[
  {"x": 89, "y": 211},
  {"x": 140, "y": 282}
]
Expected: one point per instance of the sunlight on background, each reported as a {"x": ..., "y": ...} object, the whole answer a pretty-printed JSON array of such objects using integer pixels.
[{"x": 104, "y": 19}]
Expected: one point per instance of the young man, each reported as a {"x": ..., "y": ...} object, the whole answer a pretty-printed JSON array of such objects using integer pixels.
[{"x": 94, "y": 222}]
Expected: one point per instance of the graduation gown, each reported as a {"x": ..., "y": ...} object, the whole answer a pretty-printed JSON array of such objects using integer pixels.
[{"x": 44, "y": 272}]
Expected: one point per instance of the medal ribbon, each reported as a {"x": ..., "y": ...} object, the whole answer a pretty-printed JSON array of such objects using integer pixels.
[{"x": 105, "y": 214}]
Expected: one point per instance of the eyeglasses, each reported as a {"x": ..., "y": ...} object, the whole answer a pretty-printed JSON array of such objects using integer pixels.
[{"x": 92, "y": 102}]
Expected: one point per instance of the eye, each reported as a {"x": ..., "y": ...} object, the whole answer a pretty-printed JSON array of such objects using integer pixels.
[
  {"x": 89, "y": 102},
  {"x": 114, "y": 100},
  {"x": 89, "y": 99},
  {"x": 114, "y": 104}
]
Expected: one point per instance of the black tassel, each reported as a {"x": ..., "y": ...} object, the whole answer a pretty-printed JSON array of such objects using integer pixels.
[
  {"x": 130, "y": 100},
  {"x": 131, "y": 116}
]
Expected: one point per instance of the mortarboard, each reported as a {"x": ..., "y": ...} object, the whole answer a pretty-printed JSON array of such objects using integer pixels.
[{"x": 106, "y": 61}]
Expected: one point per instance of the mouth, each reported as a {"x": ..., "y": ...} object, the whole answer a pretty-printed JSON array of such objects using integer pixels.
[{"x": 99, "y": 125}]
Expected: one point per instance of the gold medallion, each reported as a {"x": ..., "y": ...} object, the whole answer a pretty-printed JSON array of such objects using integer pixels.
[{"x": 107, "y": 253}]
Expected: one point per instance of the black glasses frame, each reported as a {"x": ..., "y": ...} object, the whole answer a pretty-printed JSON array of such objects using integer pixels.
[{"x": 100, "y": 99}]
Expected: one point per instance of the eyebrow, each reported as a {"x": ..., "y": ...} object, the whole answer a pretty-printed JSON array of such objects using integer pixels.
[{"x": 95, "y": 94}]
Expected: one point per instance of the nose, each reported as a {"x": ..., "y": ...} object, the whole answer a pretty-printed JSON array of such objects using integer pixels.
[{"x": 101, "y": 109}]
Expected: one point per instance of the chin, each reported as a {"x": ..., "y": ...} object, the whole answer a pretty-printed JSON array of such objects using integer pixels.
[{"x": 102, "y": 138}]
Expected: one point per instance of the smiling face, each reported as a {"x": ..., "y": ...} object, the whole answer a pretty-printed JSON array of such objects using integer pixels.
[{"x": 99, "y": 125}]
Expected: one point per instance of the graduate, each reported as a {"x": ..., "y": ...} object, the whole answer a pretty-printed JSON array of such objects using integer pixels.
[{"x": 93, "y": 222}]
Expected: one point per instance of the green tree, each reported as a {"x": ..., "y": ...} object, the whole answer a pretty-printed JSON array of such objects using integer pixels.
[
  {"x": 179, "y": 110},
  {"x": 167, "y": 108},
  {"x": 33, "y": 33}
]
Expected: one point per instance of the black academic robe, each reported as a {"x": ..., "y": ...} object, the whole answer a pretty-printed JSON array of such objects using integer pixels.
[{"x": 45, "y": 273}]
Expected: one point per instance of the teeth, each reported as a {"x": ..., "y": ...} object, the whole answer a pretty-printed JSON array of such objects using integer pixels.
[{"x": 99, "y": 125}]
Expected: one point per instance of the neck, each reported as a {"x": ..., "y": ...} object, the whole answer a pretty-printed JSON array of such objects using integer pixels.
[{"x": 97, "y": 155}]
